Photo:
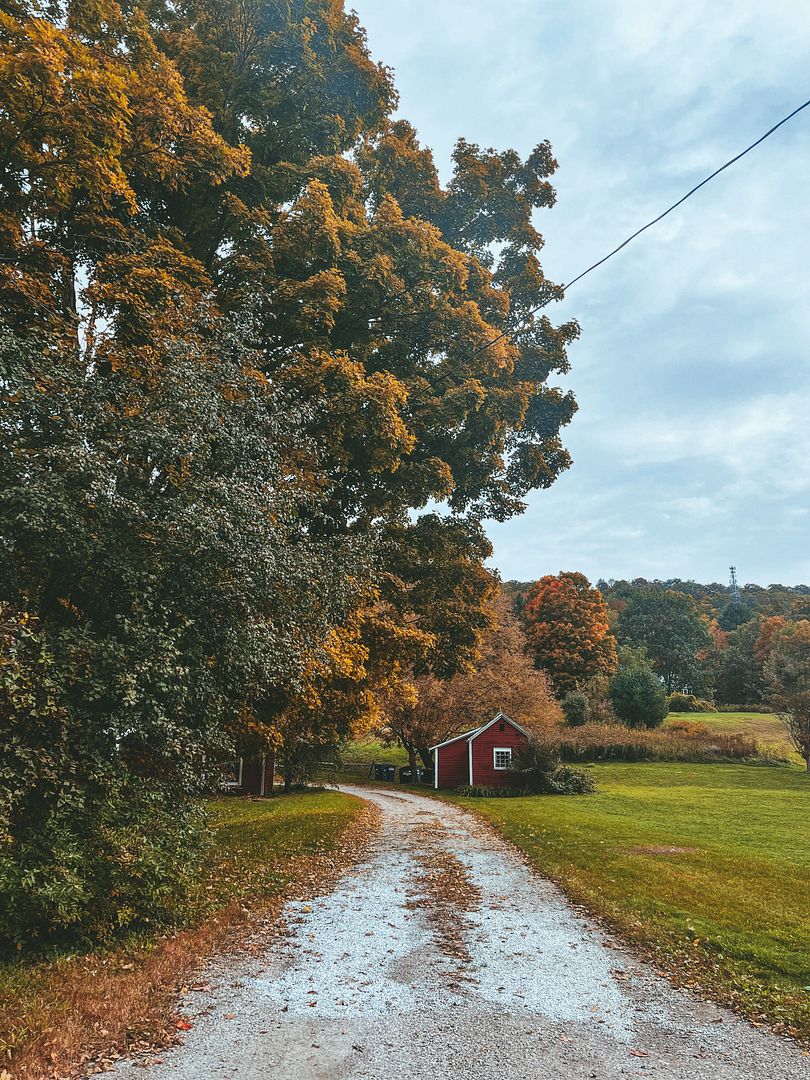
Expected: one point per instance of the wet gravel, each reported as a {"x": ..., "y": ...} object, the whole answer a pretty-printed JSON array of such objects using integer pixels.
[{"x": 444, "y": 956}]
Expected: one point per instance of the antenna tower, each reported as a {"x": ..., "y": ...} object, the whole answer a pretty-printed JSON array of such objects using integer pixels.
[{"x": 733, "y": 589}]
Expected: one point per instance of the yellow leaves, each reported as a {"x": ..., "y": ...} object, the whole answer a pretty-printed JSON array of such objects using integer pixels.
[
  {"x": 365, "y": 410},
  {"x": 312, "y": 305},
  {"x": 92, "y": 127},
  {"x": 133, "y": 286},
  {"x": 309, "y": 234}
]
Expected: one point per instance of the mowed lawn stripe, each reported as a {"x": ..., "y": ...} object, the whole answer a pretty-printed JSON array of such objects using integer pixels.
[{"x": 731, "y": 911}]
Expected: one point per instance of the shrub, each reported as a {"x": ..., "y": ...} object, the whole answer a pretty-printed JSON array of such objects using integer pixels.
[
  {"x": 729, "y": 707},
  {"x": 567, "y": 781},
  {"x": 88, "y": 864},
  {"x": 537, "y": 770},
  {"x": 638, "y": 697},
  {"x": 575, "y": 708},
  {"x": 679, "y": 702}
]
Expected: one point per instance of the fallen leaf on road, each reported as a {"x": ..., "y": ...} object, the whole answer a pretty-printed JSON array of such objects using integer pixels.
[
  {"x": 639, "y": 1053},
  {"x": 183, "y": 1025}
]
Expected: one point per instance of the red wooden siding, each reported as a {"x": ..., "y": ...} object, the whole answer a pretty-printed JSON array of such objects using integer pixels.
[
  {"x": 484, "y": 771},
  {"x": 452, "y": 764},
  {"x": 252, "y": 774}
]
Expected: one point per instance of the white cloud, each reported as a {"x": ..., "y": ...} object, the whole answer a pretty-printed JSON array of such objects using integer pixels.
[{"x": 692, "y": 374}]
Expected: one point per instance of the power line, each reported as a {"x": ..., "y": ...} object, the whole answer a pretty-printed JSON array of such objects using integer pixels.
[{"x": 638, "y": 232}]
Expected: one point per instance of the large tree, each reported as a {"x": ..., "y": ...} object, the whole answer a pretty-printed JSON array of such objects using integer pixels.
[
  {"x": 264, "y": 170},
  {"x": 567, "y": 627},
  {"x": 739, "y": 678},
  {"x": 156, "y": 601},
  {"x": 671, "y": 628},
  {"x": 181, "y": 164}
]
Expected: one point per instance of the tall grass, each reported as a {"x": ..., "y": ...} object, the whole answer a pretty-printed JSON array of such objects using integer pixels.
[{"x": 680, "y": 741}]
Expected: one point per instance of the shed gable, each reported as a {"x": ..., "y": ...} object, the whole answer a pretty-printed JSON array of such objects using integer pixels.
[{"x": 502, "y": 734}]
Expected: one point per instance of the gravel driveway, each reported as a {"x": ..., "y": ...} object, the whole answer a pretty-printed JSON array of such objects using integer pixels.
[{"x": 444, "y": 956}]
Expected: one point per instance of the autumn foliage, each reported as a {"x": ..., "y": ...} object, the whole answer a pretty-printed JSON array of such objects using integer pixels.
[
  {"x": 568, "y": 630},
  {"x": 503, "y": 679},
  {"x": 276, "y": 337}
]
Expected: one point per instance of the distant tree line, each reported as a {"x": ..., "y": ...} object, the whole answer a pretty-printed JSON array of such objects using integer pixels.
[{"x": 632, "y": 650}]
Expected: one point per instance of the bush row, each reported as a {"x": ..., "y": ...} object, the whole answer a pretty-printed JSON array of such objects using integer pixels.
[
  {"x": 682, "y": 703},
  {"x": 562, "y": 781}
]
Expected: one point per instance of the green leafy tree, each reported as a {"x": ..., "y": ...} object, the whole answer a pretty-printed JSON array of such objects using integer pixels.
[
  {"x": 182, "y": 158},
  {"x": 636, "y": 692},
  {"x": 669, "y": 626},
  {"x": 575, "y": 707},
  {"x": 740, "y": 678},
  {"x": 156, "y": 591},
  {"x": 248, "y": 155},
  {"x": 734, "y": 614}
]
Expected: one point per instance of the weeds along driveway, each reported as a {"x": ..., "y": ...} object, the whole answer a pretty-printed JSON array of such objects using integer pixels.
[{"x": 444, "y": 956}]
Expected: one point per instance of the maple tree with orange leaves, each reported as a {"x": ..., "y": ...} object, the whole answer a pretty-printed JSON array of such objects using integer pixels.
[{"x": 568, "y": 630}]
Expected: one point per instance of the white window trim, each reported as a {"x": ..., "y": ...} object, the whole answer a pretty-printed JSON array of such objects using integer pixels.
[{"x": 501, "y": 750}]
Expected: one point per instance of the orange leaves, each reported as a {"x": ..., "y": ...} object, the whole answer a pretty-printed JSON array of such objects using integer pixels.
[
  {"x": 567, "y": 625},
  {"x": 309, "y": 232},
  {"x": 365, "y": 419},
  {"x": 96, "y": 120}
]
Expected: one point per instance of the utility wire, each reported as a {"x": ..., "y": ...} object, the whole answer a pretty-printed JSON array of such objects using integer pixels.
[{"x": 638, "y": 232}]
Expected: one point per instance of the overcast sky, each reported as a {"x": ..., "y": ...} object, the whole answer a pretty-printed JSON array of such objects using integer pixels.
[{"x": 692, "y": 442}]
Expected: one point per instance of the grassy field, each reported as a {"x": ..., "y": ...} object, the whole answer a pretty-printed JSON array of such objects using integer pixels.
[
  {"x": 708, "y": 866},
  {"x": 370, "y": 750},
  {"x": 767, "y": 729},
  {"x": 52, "y": 1013}
]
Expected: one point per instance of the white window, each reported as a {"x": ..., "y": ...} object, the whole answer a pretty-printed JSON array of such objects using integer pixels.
[{"x": 502, "y": 757}]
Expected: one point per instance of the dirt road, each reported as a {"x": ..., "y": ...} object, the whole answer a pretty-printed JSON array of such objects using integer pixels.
[{"x": 444, "y": 956}]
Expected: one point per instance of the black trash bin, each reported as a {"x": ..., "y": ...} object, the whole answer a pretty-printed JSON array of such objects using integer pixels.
[
  {"x": 406, "y": 775},
  {"x": 385, "y": 772}
]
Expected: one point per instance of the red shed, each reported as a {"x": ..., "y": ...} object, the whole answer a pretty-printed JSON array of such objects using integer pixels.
[
  {"x": 481, "y": 756},
  {"x": 250, "y": 775}
]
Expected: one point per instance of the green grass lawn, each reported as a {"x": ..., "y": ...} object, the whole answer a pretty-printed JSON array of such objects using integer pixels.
[
  {"x": 371, "y": 750},
  {"x": 358, "y": 757},
  {"x": 256, "y": 843},
  {"x": 730, "y": 913},
  {"x": 767, "y": 729}
]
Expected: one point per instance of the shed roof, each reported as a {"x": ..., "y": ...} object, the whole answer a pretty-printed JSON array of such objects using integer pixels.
[{"x": 468, "y": 736}]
